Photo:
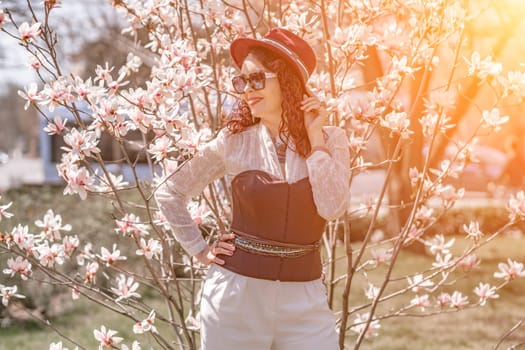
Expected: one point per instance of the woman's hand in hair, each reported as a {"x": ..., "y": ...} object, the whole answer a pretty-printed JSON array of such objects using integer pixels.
[{"x": 315, "y": 117}]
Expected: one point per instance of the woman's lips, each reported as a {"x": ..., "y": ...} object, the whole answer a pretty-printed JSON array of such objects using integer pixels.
[{"x": 253, "y": 100}]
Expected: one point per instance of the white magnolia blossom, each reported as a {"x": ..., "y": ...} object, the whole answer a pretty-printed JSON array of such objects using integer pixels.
[
  {"x": 7, "y": 293},
  {"x": 151, "y": 249},
  {"x": 472, "y": 230},
  {"x": 510, "y": 270},
  {"x": 3, "y": 210},
  {"x": 51, "y": 226},
  {"x": 418, "y": 283},
  {"x": 106, "y": 338},
  {"x": 146, "y": 325},
  {"x": 485, "y": 291},
  {"x": 126, "y": 288},
  {"x": 18, "y": 265},
  {"x": 360, "y": 325}
]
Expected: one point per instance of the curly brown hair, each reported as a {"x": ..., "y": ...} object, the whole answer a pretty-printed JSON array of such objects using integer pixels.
[{"x": 292, "y": 121}]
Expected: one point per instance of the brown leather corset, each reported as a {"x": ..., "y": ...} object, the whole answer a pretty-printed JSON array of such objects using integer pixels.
[{"x": 274, "y": 210}]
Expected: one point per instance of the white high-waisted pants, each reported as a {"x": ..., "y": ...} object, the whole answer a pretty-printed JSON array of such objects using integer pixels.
[{"x": 239, "y": 312}]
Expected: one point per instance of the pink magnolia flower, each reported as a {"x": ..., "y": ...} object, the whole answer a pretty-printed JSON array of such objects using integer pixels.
[
  {"x": 483, "y": 68},
  {"x": 151, "y": 249},
  {"x": 7, "y": 238},
  {"x": 27, "y": 32},
  {"x": 448, "y": 194},
  {"x": 510, "y": 271},
  {"x": 140, "y": 120},
  {"x": 397, "y": 122},
  {"x": 35, "y": 62},
  {"x": 184, "y": 82},
  {"x": 106, "y": 338},
  {"x": 492, "y": 120},
  {"x": 30, "y": 94},
  {"x": 191, "y": 140},
  {"x": 360, "y": 326},
  {"x": 3, "y": 210},
  {"x": 57, "y": 346},
  {"x": 438, "y": 244},
  {"x": 443, "y": 300},
  {"x": 8, "y": 293},
  {"x": 75, "y": 293},
  {"x": 102, "y": 73},
  {"x": 420, "y": 301},
  {"x": 49, "y": 256},
  {"x": 18, "y": 265},
  {"x": 381, "y": 255},
  {"x": 78, "y": 181},
  {"x": 171, "y": 119},
  {"x": 161, "y": 147},
  {"x": 86, "y": 90},
  {"x": 418, "y": 283},
  {"x": 81, "y": 143},
  {"x": 131, "y": 224},
  {"x": 146, "y": 325},
  {"x": 429, "y": 120},
  {"x": 22, "y": 238},
  {"x": 372, "y": 292},
  {"x": 513, "y": 83},
  {"x": 56, "y": 126},
  {"x": 91, "y": 272},
  {"x": 442, "y": 261},
  {"x": 133, "y": 64},
  {"x": 70, "y": 244},
  {"x": 473, "y": 231},
  {"x": 57, "y": 93},
  {"x": 469, "y": 262},
  {"x": 425, "y": 215},
  {"x": 367, "y": 203},
  {"x": 51, "y": 226},
  {"x": 458, "y": 300},
  {"x": 161, "y": 221},
  {"x": 193, "y": 323},
  {"x": 484, "y": 291},
  {"x": 414, "y": 176},
  {"x": 110, "y": 257},
  {"x": 3, "y": 18},
  {"x": 117, "y": 181},
  {"x": 516, "y": 206},
  {"x": 126, "y": 288},
  {"x": 115, "y": 85},
  {"x": 134, "y": 346}
]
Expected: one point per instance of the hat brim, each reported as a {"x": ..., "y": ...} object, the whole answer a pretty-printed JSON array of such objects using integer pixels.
[{"x": 241, "y": 47}]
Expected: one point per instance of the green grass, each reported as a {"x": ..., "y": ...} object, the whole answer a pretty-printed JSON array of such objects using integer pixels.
[{"x": 477, "y": 328}]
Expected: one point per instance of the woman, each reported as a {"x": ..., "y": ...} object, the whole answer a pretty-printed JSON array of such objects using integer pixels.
[{"x": 289, "y": 174}]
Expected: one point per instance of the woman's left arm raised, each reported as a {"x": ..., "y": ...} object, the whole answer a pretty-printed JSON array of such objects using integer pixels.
[{"x": 329, "y": 161}]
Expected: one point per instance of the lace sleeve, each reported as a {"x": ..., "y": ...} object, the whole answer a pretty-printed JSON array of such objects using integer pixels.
[
  {"x": 187, "y": 181},
  {"x": 329, "y": 174}
]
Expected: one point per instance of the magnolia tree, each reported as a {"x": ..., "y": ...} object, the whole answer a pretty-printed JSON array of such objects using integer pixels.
[{"x": 385, "y": 67}]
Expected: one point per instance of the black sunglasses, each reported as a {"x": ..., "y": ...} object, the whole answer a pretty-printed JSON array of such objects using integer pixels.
[{"x": 256, "y": 80}]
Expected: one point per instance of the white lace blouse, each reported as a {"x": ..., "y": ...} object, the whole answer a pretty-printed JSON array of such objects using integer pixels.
[{"x": 253, "y": 149}]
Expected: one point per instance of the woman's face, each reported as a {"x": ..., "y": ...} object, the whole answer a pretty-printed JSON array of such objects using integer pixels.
[{"x": 265, "y": 103}]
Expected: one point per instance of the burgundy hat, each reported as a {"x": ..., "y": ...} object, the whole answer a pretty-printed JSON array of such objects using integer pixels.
[{"x": 292, "y": 48}]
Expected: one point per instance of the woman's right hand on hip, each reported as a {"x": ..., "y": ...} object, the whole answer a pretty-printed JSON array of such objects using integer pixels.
[{"x": 221, "y": 246}]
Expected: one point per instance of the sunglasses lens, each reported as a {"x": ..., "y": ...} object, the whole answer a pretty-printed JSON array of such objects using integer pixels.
[
  {"x": 257, "y": 80},
  {"x": 239, "y": 84}
]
